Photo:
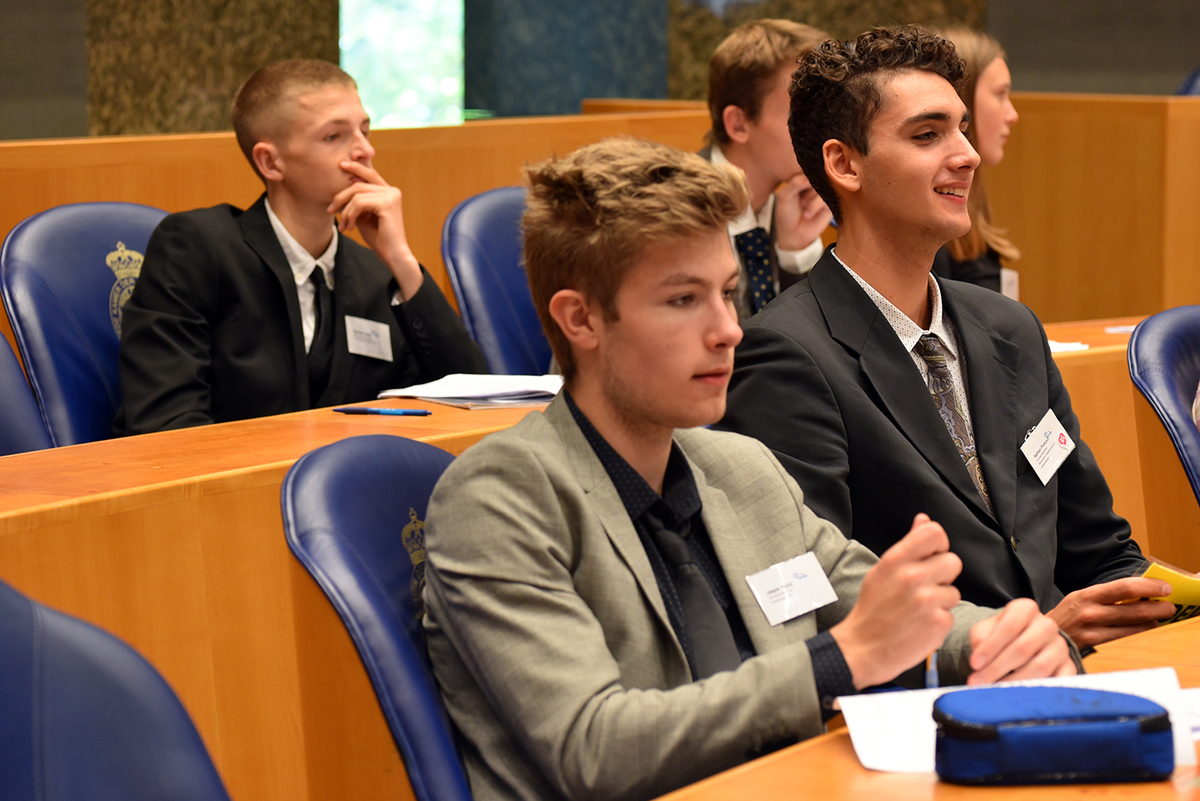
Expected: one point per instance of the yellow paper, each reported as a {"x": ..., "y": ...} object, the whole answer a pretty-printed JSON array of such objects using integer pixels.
[{"x": 1185, "y": 591}]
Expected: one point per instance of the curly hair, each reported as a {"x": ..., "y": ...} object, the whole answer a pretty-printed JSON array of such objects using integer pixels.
[
  {"x": 837, "y": 91},
  {"x": 744, "y": 65},
  {"x": 590, "y": 215}
]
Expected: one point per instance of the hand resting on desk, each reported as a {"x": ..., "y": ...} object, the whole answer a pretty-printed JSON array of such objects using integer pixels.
[{"x": 903, "y": 613}]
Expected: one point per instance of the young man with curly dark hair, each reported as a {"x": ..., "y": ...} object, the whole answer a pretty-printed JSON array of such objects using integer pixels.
[{"x": 887, "y": 393}]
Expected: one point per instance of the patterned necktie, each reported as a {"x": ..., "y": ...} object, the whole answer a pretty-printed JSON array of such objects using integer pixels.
[
  {"x": 320, "y": 352},
  {"x": 754, "y": 246},
  {"x": 941, "y": 389},
  {"x": 707, "y": 634}
]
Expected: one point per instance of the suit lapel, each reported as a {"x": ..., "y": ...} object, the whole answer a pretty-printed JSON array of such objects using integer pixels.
[
  {"x": 260, "y": 236},
  {"x": 991, "y": 371},
  {"x": 856, "y": 323},
  {"x": 608, "y": 507}
]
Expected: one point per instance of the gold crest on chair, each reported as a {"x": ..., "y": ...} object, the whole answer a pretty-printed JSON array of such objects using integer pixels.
[
  {"x": 413, "y": 537},
  {"x": 126, "y": 264}
]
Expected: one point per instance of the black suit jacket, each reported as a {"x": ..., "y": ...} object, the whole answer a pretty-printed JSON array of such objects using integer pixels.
[
  {"x": 823, "y": 380},
  {"x": 212, "y": 331}
]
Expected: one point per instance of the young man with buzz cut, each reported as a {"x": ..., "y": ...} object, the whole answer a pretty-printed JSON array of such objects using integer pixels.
[
  {"x": 887, "y": 393},
  {"x": 777, "y": 236},
  {"x": 589, "y": 611},
  {"x": 242, "y": 314}
]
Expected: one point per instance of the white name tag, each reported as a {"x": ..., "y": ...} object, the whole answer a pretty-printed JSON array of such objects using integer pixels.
[
  {"x": 792, "y": 588},
  {"x": 1010, "y": 283},
  {"x": 368, "y": 338},
  {"x": 1047, "y": 447}
]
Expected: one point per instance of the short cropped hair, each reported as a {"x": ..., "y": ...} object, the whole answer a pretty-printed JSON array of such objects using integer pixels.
[
  {"x": 262, "y": 106},
  {"x": 742, "y": 66},
  {"x": 837, "y": 91},
  {"x": 591, "y": 214}
]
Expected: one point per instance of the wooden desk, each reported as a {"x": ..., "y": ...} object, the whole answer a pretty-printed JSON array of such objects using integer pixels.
[
  {"x": 1102, "y": 396},
  {"x": 174, "y": 542},
  {"x": 826, "y": 768}
]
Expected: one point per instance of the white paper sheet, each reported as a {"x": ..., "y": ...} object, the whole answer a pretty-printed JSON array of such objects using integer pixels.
[
  {"x": 461, "y": 389},
  {"x": 895, "y": 732},
  {"x": 1066, "y": 347}
]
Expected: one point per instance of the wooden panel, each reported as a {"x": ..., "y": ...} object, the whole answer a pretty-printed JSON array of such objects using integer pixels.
[
  {"x": 435, "y": 167},
  {"x": 1081, "y": 193},
  {"x": 623, "y": 105}
]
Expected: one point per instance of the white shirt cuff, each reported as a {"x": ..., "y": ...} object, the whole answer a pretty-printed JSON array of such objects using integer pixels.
[{"x": 800, "y": 261}]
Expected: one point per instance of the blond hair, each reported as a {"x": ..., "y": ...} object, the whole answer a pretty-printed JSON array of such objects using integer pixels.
[
  {"x": 978, "y": 51},
  {"x": 591, "y": 214},
  {"x": 743, "y": 66},
  {"x": 263, "y": 106}
]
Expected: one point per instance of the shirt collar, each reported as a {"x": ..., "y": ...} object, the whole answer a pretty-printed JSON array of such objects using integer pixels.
[
  {"x": 908, "y": 331},
  {"x": 680, "y": 496},
  {"x": 299, "y": 259},
  {"x": 748, "y": 220}
]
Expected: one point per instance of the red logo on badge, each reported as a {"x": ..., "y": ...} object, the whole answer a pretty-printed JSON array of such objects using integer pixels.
[{"x": 1062, "y": 440}]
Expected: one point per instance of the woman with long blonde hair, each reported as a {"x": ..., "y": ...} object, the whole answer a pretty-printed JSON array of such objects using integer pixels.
[{"x": 976, "y": 256}]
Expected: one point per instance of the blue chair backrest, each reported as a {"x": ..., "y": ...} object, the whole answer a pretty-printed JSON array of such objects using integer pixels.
[
  {"x": 353, "y": 514},
  {"x": 65, "y": 273},
  {"x": 21, "y": 426},
  {"x": 481, "y": 246},
  {"x": 83, "y": 717},
  {"x": 1164, "y": 363}
]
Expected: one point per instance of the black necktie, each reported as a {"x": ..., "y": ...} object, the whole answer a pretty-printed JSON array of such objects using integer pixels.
[
  {"x": 320, "y": 352},
  {"x": 712, "y": 646},
  {"x": 754, "y": 246}
]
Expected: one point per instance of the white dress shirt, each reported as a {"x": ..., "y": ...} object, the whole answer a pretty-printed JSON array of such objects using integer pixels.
[
  {"x": 302, "y": 264},
  {"x": 910, "y": 333}
]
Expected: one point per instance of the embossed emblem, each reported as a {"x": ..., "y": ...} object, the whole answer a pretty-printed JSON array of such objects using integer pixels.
[
  {"x": 413, "y": 537},
  {"x": 126, "y": 264}
]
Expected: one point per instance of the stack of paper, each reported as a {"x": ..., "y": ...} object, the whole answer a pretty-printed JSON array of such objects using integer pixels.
[{"x": 468, "y": 391}]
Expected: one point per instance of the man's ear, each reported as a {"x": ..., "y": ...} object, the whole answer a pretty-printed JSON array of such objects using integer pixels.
[
  {"x": 574, "y": 315},
  {"x": 266, "y": 158},
  {"x": 843, "y": 165},
  {"x": 736, "y": 124}
]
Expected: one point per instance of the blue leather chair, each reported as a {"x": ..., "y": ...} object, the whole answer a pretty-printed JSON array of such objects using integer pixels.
[
  {"x": 65, "y": 273},
  {"x": 481, "y": 247},
  {"x": 1190, "y": 85},
  {"x": 353, "y": 514},
  {"x": 83, "y": 717},
  {"x": 1164, "y": 363},
  {"x": 21, "y": 426}
]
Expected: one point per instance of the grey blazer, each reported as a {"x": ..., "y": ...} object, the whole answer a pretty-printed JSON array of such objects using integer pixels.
[{"x": 549, "y": 638}]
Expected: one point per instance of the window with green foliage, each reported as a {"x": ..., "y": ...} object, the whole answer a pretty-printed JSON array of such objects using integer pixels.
[{"x": 407, "y": 57}]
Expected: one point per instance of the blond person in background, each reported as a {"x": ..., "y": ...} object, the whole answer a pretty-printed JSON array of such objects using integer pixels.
[
  {"x": 777, "y": 237},
  {"x": 976, "y": 256}
]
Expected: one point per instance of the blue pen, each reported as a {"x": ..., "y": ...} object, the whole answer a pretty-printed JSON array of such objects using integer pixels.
[{"x": 376, "y": 410}]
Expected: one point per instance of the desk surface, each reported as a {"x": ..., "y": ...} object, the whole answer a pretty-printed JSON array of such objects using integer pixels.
[
  {"x": 82, "y": 471},
  {"x": 826, "y": 768}
]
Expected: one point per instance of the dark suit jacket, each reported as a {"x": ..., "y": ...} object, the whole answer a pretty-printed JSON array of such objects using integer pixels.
[
  {"x": 212, "y": 331},
  {"x": 823, "y": 380}
]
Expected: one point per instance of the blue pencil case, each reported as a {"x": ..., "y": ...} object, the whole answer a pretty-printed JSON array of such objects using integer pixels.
[{"x": 1043, "y": 735}]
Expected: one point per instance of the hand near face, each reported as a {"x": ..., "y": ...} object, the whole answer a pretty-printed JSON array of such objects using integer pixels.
[
  {"x": 374, "y": 207},
  {"x": 903, "y": 609},
  {"x": 800, "y": 214},
  {"x": 1018, "y": 643},
  {"x": 1115, "y": 609}
]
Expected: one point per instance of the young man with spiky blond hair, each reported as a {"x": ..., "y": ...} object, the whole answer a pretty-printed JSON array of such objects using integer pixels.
[{"x": 604, "y": 581}]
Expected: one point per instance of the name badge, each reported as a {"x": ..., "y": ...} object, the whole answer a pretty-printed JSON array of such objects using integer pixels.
[
  {"x": 792, "y": 588},
  {"x": 1047, "y": 446},
  {"x": 368, "y": 338}
]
